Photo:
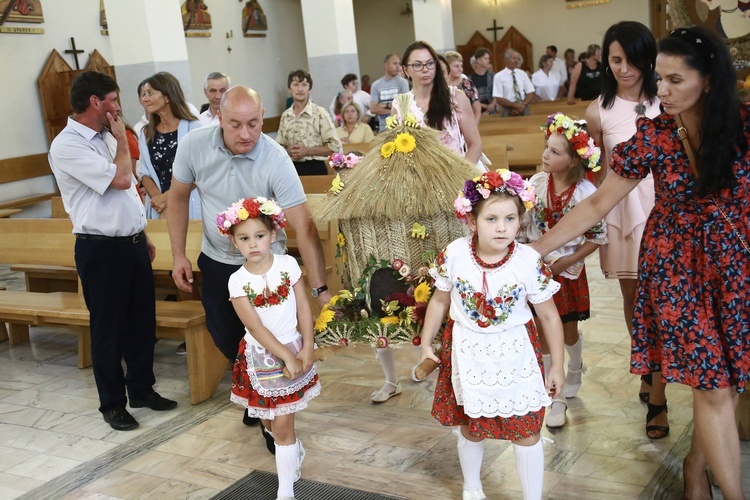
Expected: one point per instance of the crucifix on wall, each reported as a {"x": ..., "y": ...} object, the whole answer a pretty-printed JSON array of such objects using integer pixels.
[
  {"x": 74, "y": 51},
  {"x": 494, "y": 29}
]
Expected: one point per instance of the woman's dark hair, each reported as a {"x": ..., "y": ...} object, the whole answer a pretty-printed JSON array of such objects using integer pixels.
[
  {"x": 721, "y": 124},
  {"x": 168, "y": 85},
  {"x": 639, "y": 46},
  {"x": 440, "y": 109}
]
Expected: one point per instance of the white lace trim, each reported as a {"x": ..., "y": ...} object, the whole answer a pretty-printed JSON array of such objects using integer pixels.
[
  {"x": 551, "y": 289},
  {"x": 298, "y": 384},
  {"x": 282, "y": 409},
  {"x": 496, "y": 374}
]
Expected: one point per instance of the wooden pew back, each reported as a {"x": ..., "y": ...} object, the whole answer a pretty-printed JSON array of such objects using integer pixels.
[
  {"x": 22, "y": 168},
  {"x": 51, "y": 242}
]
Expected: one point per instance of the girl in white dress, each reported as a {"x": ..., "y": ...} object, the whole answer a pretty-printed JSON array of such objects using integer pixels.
[
  {"x": 561, "y": 185},
  {"x": 491, "y": 382},
  {"x": 278, "y": 332}
]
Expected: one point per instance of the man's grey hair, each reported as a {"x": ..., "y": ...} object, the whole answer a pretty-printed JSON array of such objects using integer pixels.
[{"x": 215, "y": 75}]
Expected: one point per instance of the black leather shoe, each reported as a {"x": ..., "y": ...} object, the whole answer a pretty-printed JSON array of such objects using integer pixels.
[
  {"x": 120, "y": 420},
  {"x": 270, "y": 443},
  {"x": 248, "y": 420},
  {"x": 153, "y": 401}
]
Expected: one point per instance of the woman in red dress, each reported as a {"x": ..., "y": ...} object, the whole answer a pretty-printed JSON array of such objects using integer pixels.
[{"x": 692, "y": 311}]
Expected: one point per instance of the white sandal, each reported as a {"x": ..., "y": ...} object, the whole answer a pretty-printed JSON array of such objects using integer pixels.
[
  {"x": 301, "y": 457},
  {"x": 557, "y": 420},
  {"x": 473, "y": 495},
  {"x": 380, "y": 396}
]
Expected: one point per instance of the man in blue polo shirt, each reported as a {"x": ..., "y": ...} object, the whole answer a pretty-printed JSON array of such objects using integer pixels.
[{"x": 227, "y": 163}]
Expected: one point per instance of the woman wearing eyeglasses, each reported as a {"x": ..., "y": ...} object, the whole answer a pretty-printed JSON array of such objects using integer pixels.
[{"x": 435, "y": 104}]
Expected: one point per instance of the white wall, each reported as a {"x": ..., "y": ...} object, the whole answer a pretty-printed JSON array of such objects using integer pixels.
[
  {"x": 260, "y": 63},
  {"x": 381, "y": 30},
  {"x": 22, "y": 58},
  {"x": 545, "y": 22}
]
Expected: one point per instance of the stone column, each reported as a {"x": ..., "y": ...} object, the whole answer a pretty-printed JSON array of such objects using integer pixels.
[
  {"x": 146, "y": 36},
  {"x": 331, "y": 46},
  {"x": 433, "y": 23}
]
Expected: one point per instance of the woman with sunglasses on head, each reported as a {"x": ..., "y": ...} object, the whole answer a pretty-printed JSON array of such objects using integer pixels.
[
  {"x": 691, "y": 317},
  {"x": 435, "y": 104}
]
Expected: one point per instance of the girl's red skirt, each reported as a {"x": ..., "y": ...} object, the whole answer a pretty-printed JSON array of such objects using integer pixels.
[
  {"x": 446, "y": 410},
  {"x": 572, "y": 300}
]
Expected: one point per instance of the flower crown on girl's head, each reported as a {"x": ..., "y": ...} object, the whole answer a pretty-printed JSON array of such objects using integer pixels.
[
  {"x": 480, "y": 188},
  {"x": 580, "y": 140},
  {"x": 250, "y": 208}
]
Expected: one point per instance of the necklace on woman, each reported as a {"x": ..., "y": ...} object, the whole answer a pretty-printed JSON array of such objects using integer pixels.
[
  {"x": 640, "y": 108},
  {"x": 556, "y": 203}
]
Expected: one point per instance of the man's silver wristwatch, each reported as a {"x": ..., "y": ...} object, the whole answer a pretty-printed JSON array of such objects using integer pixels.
[{"x": 317, "y": 291}]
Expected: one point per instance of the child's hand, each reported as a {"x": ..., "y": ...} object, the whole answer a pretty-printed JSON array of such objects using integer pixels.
[
  {"x": 293, "y": 366},
  {"x": 426, "y": 352},
  {"x": 555, "y": 381},
  {"x": 307, "y": 357}
]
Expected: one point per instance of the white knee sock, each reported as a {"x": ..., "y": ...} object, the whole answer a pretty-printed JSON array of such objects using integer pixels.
[
  {"x": 530, "y": 467},
  {"x": 470, "y": 456},
  {"x": 388, "y": 361},
  {"x": 546, "y": 362},
  {"x": 575, "y": 354},
  {"x": 287, "y": 458}
]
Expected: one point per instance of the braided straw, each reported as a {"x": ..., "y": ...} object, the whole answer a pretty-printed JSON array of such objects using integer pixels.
[
  {"x": 418, "y": 184},
  {"x": 391, "y": 238}
]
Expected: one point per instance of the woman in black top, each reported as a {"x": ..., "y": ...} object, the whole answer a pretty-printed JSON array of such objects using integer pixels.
[{"x": 586, "y": 79}]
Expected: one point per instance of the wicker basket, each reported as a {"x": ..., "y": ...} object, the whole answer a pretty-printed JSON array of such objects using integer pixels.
[{"x": 389, "y": 238}]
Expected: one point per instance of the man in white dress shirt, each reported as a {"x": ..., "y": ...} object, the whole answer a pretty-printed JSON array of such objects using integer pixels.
[
  {"x": 214, "y": 86},
  {"x": 512, "y": 89},
  {"x": 112, "y": 253},
  {"x": 546, "y": 83},
  {"x": 559, "y": 67}
]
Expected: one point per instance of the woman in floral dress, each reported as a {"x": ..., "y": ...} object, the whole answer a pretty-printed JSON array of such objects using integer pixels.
[{"x": 692, "y": 311}]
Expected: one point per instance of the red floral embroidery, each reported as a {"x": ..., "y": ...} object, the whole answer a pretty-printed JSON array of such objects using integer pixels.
[{"x": 692, "y": 309}]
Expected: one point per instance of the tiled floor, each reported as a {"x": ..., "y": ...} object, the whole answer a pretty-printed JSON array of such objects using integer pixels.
[{"x": 54, "y": 444}]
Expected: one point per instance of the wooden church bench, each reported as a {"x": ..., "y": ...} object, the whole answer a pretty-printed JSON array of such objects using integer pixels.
[
  {"x": 362, "y": 147},
  {"x": 184, "y": 321},
  {"x": 317, "y": 184},
  {"x": 524, "y": 151},
  {"x": 23, "y": 168}
]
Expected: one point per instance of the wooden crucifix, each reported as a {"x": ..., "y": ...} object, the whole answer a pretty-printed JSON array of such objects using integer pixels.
[
  {"x": 74, "y": 51},
  {"x": 494, "y": 29}
]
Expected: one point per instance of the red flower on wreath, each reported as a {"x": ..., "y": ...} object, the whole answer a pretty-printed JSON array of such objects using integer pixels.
[
  {"x": 282, "y": 290},
  {"x": 259, "y": 301},
  {"x": 274, "y": 299}
]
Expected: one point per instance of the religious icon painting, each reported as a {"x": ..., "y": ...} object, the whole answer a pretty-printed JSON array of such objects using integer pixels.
[
  {"x": 195, "y": 15},
  {"x": 21, "y": 11},
  {"x": 253, "y": 18}
]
